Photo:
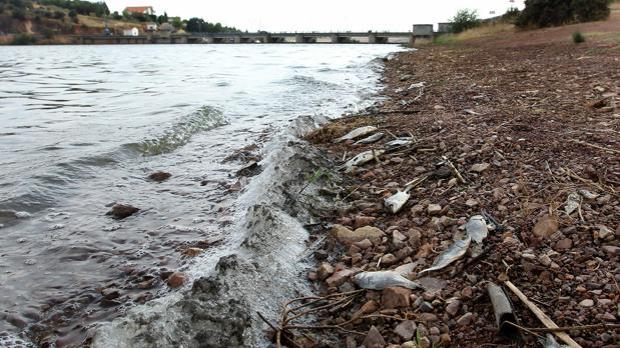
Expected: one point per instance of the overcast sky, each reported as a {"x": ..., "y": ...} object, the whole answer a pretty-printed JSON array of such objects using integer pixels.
[{"x": 320, "y": 15}]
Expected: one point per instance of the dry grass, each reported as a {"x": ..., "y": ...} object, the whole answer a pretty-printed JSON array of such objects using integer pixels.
[{"x": 96, "y": 22}]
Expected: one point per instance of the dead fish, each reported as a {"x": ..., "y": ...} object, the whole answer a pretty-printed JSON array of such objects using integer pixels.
[
  {"x": 398, "y": 143},
  {"x": 356, "y": 133},
  {"x": 417, "y": 85},
  {"x": 397, "y": 201},
  {"x": 550, "y": 342},
  {"x": 371, "y": 139},
  {"x": 572, "y": 203},
  {"x": 453, "y": 253},
  {"x": 477, "y": 228},
  {"x": 362, "y": 158},
  {"x": 380, "y": 280}
]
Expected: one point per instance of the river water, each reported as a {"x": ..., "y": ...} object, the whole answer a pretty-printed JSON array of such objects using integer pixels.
[{"x": 82, "y": 127}]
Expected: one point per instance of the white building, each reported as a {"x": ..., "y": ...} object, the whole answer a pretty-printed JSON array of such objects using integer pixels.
[{"x": 131, "y": 32}]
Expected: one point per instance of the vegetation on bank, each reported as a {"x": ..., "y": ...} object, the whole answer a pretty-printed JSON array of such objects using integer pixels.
[
  {"x": 547, "y": 13},
  {"x": 47, "y": 18}
]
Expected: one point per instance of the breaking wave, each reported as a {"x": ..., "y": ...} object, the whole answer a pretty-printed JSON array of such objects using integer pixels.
[{"x": 181, "y": 132}]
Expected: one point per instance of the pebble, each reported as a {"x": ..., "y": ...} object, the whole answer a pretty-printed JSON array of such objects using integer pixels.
[
  {"x": 406, "y": 329},
  {"x": 480, "y": 167},
  {"x": 586, "y": 303},
  {"x": 388, "y": 259},
  {"x": 453, "y": 307},
  {"x": 546, "y": 226},
  {"x": 563, "y": 244},
  {"x": 121, "y": 211},
  {"x": 160, "y": 176},
  {"x": 426, "y": 307},
  {"x": 374, "y": 339},
  {"x": 325, "y": 270},
  {"x": 347, "y": 237},
  {"x": 433, "y": 209},
  {"x": 395, "y": 297},
  {"x": 465, "y": 319}
]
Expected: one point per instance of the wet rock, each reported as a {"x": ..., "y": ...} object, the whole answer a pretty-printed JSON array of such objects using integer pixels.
[
  {"x": 251, "y": 169},
  {"x": 433, "y": 209},
  {"x": 587, "y": 303},
  {"x": 325, "y": 270},
  {"x": 347, "y": 237},
  {"x": 373, "y": 339},
  {"x": 193, "y": 252},
  {"x": 176, "y": 280},
  {"x": 465, "y": 319},
  {"x": 395, "y": 297},
  {"x": 406, "y": 329},
  {"x": 16, "y": 320},
  {"x": 121, "y": 211},
  {"x": 546, "y": 226},
  {"x": 159, "y": 176},
  {"x": 480, "y": 167}
]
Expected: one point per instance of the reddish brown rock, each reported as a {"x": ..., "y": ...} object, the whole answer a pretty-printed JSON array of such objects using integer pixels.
[
  {"x": 374, "y": 339},
  {"x": 406, "y": 329},
  {"x": 347, "y": 237},
  {"x": 361, "y": 221},
  {"x": 159, "y": 176},
  {"x": 324, "y": 270},
  {"x": 563, "y": 244},
  {"x": 395, "y": 297},
  {"x": 176, "y": 280},
  {"x": 546, "y": 226},
  {"x": 339, "y": 277}
]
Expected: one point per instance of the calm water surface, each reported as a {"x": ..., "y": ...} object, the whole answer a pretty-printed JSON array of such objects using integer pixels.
[{"x": 81, "y": 127}]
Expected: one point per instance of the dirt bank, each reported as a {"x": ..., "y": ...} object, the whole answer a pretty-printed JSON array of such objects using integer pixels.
[{"x": 532, "y": 126}]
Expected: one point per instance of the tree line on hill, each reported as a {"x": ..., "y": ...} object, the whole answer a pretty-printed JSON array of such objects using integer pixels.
[
  {"x": 25, "y": 9},
  {"x": 540, "y": 14}
]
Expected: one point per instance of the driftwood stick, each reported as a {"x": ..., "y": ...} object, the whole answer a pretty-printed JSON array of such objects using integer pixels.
[
  {"x": 566, "y": 328},
  {"x": 595, "y": 146},
  {"x": 454, "y": 170},
  {"x": 541, "y": 315}
]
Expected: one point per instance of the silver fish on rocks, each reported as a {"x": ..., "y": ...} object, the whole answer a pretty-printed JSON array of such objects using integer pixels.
[
  {"x": 477, "y": 228},
  {"x": 356, "y": 133},
  {"x": 380, "y": 280},
  {"x": 453, "y": 253},
  {"x": 371, "y": 139}
]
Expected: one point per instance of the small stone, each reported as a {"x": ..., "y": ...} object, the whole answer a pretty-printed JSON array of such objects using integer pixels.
[
  {"x": 433, "y": 209},
  {"x": 121, "y": 211},
  {"x": 424, "y": 342},
  {"x": 373, "y": 339},
  {"x": 388, "y": 259},
  {"x": 160, "y": 176},
  {"x": 445, "y": 339},
  {"x": 467, "y": 292},
  {"x": 176, "y": 280},
  {"x": 338, "y": 278},
  {"x": 465, "y": 319},
  {"x": 406, "y": 329},
  {"x": 361, "y": 221},
  {"x": 612, "y": 250},
  {"x": 364, "y": 244},
  {"x": 395, "y": 297},
  {"x": 427, "y": 317},
  {"x": 480, "y": 167},
  {"x": 324, "y": 270},
  {"x": 587, "y": 303},
  {"x": 546, "y": 226},
  {"x": 608, "y": 317},
  {"x": 453, "y": 307},
  {"x": 545, "y": 260},
  {"x": 426, "y": 307},
  {"x": 347, "y": 237},
  {"x": 471, "y": 203},
  {"x": 403, "y": 253},
  {"x": 563, "y": 244},
  {"x": 604, "y": 232}
]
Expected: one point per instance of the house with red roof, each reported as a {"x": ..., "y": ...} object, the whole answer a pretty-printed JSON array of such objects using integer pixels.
[{"x": 146, "y": 10}]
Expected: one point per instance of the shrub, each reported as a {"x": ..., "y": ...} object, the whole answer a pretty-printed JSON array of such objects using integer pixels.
[
  {"x": 47, "y": 33},
  {"x": 23, "y": 39},
  {"x": 59, "y": 15},
  {"x": 578, "y": 37},
  {"x": 591, "y": 10},
  {"x": 19, "y": 13},
  {"x": 546, "y": 13},
  {"x": 465, "y": 19},
  {"x": 511, "y": 15}
]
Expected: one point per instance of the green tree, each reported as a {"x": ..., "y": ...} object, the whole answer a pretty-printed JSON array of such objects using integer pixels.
[
  {"x": 547, "y": 13},
  {"x": 465, "y": 19}
]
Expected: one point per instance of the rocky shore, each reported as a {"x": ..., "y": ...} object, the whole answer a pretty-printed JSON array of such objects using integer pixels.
[{"x": 524, "y": 136}]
